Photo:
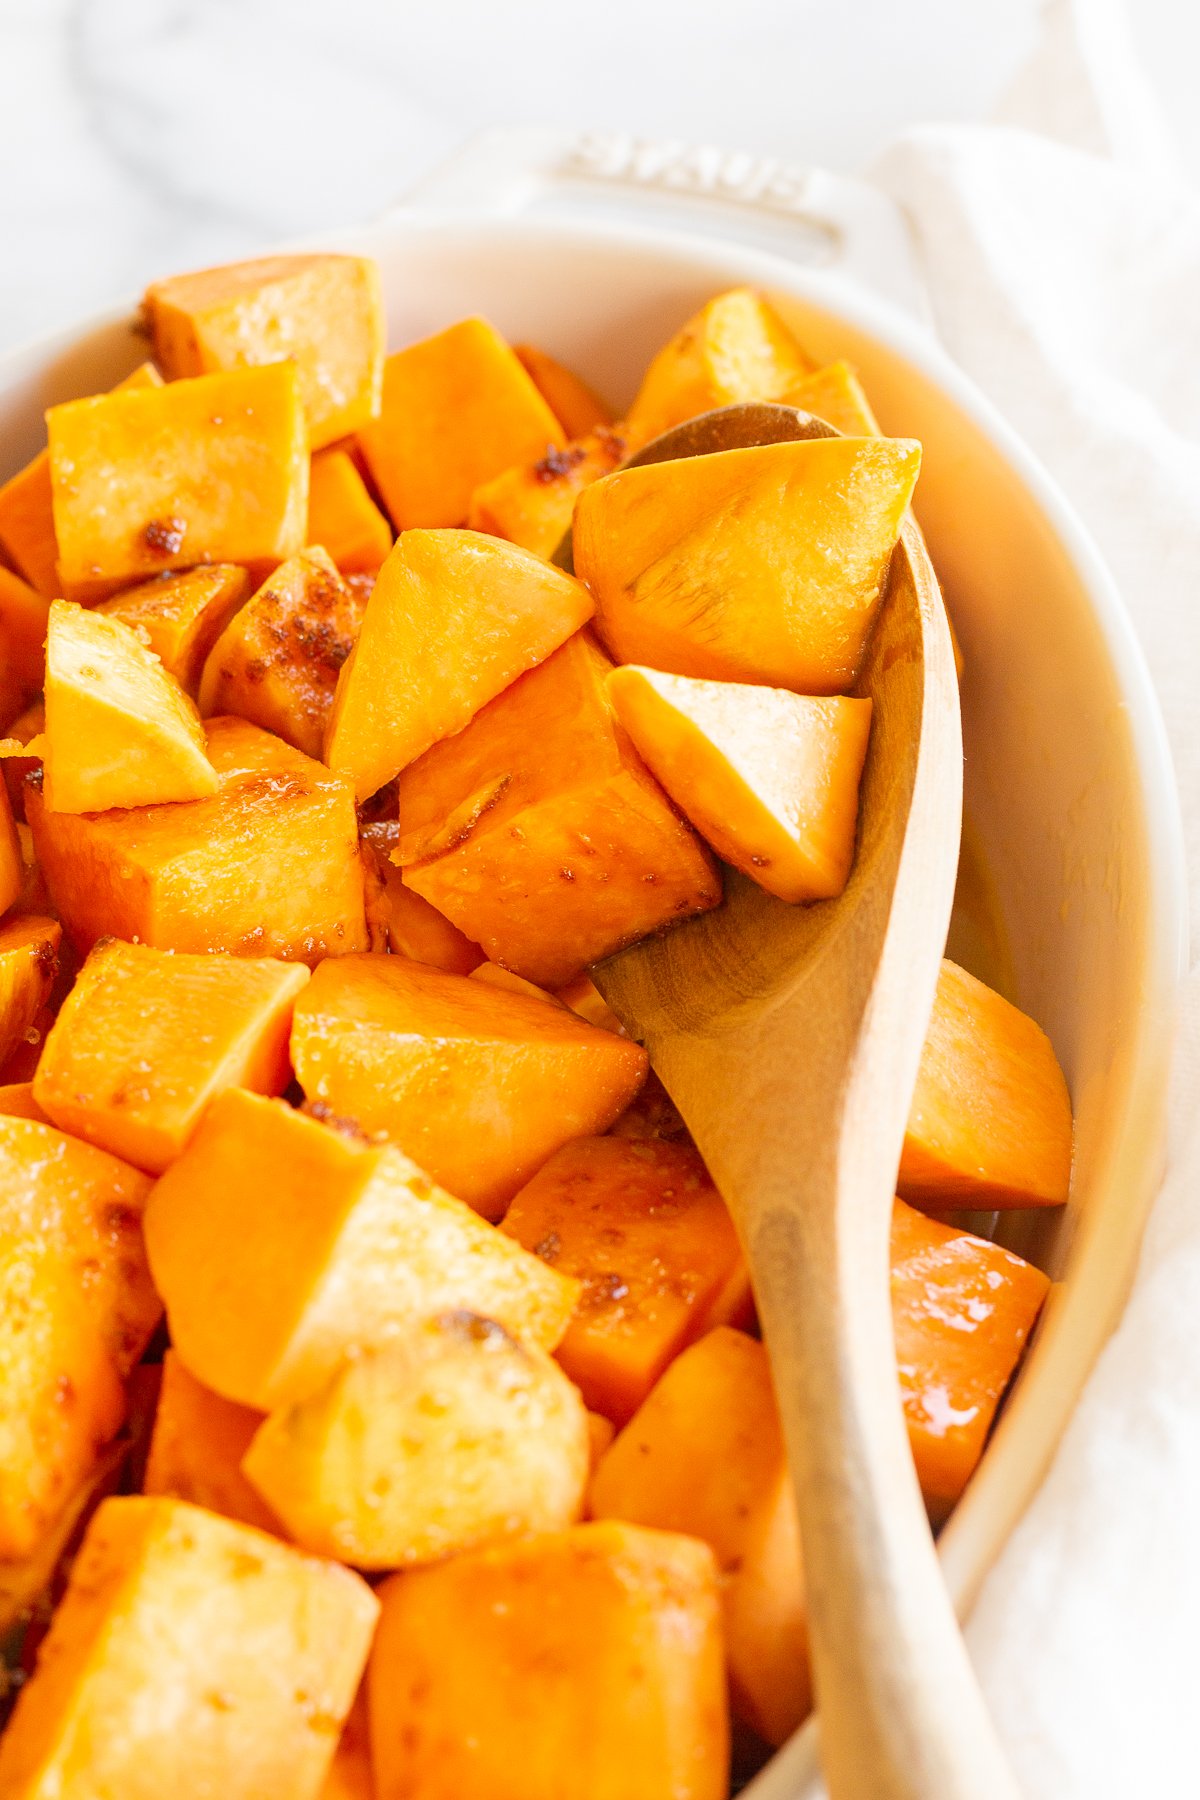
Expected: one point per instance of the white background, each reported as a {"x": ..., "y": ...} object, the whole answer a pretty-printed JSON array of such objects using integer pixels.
[{"x": 142, "y": 136}]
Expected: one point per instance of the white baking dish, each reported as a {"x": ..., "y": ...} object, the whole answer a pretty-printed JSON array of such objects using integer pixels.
[{"x": 1069, "y": 786}]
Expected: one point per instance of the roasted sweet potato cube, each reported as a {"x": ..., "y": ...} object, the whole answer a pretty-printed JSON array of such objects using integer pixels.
[
  {"x": 197, "y": 1447},
  {"x": 342, "y": 517},
  {"x": 457, "y": 409},
  {"x": 735, "y": 348},
  {"x": 587, "y": 1661},
  {"x": 277, "y": 661},
  {"x": 323, "y": 313},
  {"x": 453, "y": 619},
  {"x": 477, "y": 1085},
  {"x": 147, "y": 1037},
  {"x": 120, "y": 731},
  {"x": 763, "y": 565},
  {"x": 962, "y": 1310},
  {"x": 769, "y": 778},
  {"x": 28, "y": 966},
  {"x": 641, "y": 1225},
  {"x": 704, "y": 1455},
  {"x": 835, "y": 394},
  {"x": 358, "y": 1241},
  {"x": 532, "y": 504},
  {"x": 419, "y": 931},
  {"x": 192, "y": 1654},
  {"x": 180, "y": 617},
  {"x": 350, "y": 1776},
  {"x": 209, "y": 470},
  {"x": 76, "y": 1311},
  {"x": 23, "y": 617},
  {"x": 990, "y": 1123},
  {"x": 12, "y": 865},
  {"x": 576, "y": 407},
  {"x": 584, "y": 997},
  {"x": 451, "y": 1434},
  {"x": 27, "y": 510},
  {"x": 24, "y": 729},
  {"x": 268, "y": 866},
  {"x": 17, "y": 1102},
  {"x": 539, "y": 831}
]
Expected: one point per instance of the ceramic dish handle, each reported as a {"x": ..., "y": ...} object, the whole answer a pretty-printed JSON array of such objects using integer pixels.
[{"x": 834, "y": 222}]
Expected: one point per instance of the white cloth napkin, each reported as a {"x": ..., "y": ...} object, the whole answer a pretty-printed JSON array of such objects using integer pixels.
[{"x": 1062, "y": 253}]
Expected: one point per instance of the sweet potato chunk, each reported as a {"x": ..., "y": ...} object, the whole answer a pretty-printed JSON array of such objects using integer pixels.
[
  {"x": 147, "y": 1037},
  {"x": 573, "y": 403},
  {"x": 357, "y": 1239},
  {"x": 23, "y": 730},
  {"x": 587, "y": 1661},
  {"x": 268, "y": 866},
  {"x": 323, "y": 313},
  {"x": 449, "y": 1435},
  {"x": 763, "y": 565},
  {"x": 532, "y": 505},
  {"x": 342, "y": 517},
  {"x": 12, "y": 865},
  {"x": 277, "y": 661},
  {"x": 736, "y": 348},
  {"x": 197, "y": 1447},
  {"x": 23, "y": 617},
  {"x": 76, "y": 1312},
  {"x": 17, "y": 1102},
  {"x": 962, "y": 1310},
  {"x": 990, "y": 1123},
  {"x": 350, "y": 1776},
  {"x": 540, "y": 833},
  {"x": 642, "y": 1226},
  {"x": 769, "y": 778},
  {"x": 180, "y": 617},
  {"x": 453, "y": 619},
  {"x": 418, "y": 930},
  {"x": 835, "y": 395},
  {"x": 28, "y": 966},
  {"x": 457, "y": 409},
  {"x": 27, "y": 508},
  {"x": 120, "y": 731},
  {"x": 190, "y": 1654},
  {"x": 477, "y": 1085},
  {"x": 209, "y": 470},
  {"x": 704, "y": 1455}
]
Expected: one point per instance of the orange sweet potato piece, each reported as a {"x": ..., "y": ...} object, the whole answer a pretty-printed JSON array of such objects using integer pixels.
[
  {"x": 457, "y": 409},
  {"x": 197, "y": 1447},
  {"x": 451, "y": 1434},
  {"x": 180, "y": 617},
  {"x": 587, "y": 1661},
  {"x": 268, "y": 866},
  {"x": 323, "y": 313},
  {"x": 494, "y": 976},
  {"x": 342, "y": 517},
  {"x": 350, "y": 1776},
  {"x": 357, "y": 1239},
  {"x": 584, "y": 997},
  {"x": 477, "y": 1085},
  {"x": 642, "y": 1226},
  {"x": 125, "y": 1066},
  {"x": 576, "y": 407},
  {"x": 763, "y": 565},
  {"x": 23, "y": 616},
  {"x": 27, "y": 509},
  {"x": 990, "y": 1123},
  {"x": 190, "y": 1654},
  {"x": 769, "y": 778},
  {"x": 413, "y": 927},
  {"x": 12, "y": 864},
  {"x": 453, "y": 619},
  {"x": 835, "y": 394},
  {"x": 120, "y": 731},
  {"x": 209, "y": 470},
  {"x": 277, "y": 661},
  {"x": 17, "y": 1102},
  {"x": 532, "y": 504},
  {"x": 962, "y": 1310},
  {"x": 540, "y": 833},
  {"x": 28, "y": 966},
  {"x": 76, "y": 1312},
  {"x": 29, "y": 725},
  {"x": 704, "y": 1455},
  {"x": 735, "y": 348}
]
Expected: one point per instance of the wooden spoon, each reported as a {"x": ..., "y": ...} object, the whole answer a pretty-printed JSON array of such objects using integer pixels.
[{"x": 789, "y": 1039}]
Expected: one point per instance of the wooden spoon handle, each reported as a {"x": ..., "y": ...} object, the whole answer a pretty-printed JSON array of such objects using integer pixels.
[{"x": 901, "y": 1714}]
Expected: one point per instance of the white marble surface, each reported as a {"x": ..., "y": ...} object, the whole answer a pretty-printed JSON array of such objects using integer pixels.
[{"x": 141, "y": 136}]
